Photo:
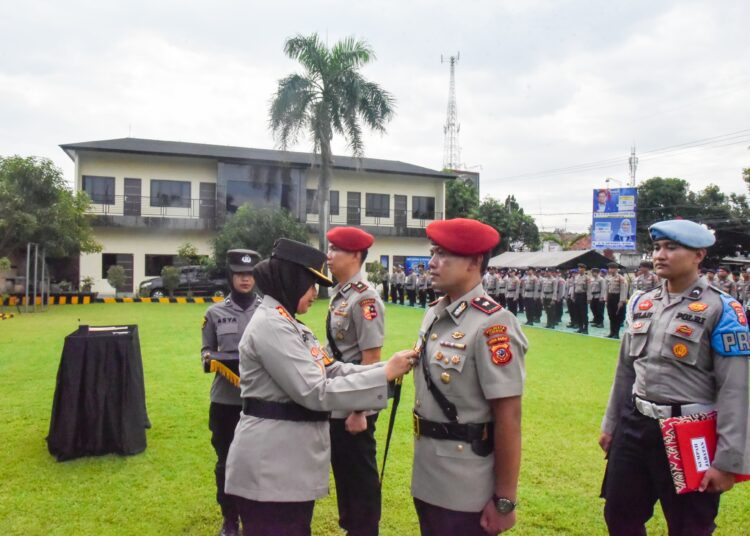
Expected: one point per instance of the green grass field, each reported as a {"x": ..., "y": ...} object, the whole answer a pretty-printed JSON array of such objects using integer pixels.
[{"x": 169, "y": 489}]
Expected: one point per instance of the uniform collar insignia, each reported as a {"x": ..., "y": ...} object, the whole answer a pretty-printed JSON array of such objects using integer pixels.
[
  {"x": 345, "y": 288},
  {"x": 459, "y": 309},
  {"x": 696, "y": 293}
]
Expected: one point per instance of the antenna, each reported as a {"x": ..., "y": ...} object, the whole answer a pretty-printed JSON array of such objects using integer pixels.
[
  {"x": 451, "y": 149},
  {"x": 633, "y": 163}
]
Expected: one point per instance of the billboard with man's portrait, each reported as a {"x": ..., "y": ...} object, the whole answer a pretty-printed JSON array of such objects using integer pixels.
[{"x": 614, "y": 219}]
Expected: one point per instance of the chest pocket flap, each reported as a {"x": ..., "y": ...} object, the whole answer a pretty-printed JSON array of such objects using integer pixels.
[
  {"x": 682, "y": 341},
  {"x": 638, "y": 336},
  {"x": 227, "y": 328}
]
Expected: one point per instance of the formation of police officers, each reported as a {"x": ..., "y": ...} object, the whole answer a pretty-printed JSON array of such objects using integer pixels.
[{"x": 302, "y": 405}]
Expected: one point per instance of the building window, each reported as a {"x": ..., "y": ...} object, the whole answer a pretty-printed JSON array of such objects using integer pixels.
[
  {"x": 377, "y": 205},
  {"x": 422, "y": 208},
  {"x": 108, "y": 259},
  {"x": 399, "y": 260},
  {"x": 101, "y": 190},
  {"x": 154, "y": 263},
  {"x": 312, "y": 201},
  {"x": 170, "y": 193}
]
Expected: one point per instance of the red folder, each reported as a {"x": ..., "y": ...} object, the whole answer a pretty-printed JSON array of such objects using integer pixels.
[{"x": 690, "y": 443}]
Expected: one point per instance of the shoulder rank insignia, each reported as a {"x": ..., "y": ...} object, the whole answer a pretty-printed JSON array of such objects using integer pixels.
[
  {"x": 359, "y": 286},
  {"x": 696, "y": 293},
  {"x": 283, "y": 312},
  {"x": 486, "y": 305}
]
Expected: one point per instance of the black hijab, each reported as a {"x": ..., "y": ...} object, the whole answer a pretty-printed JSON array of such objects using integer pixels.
[{"x": 284, "y": 281}]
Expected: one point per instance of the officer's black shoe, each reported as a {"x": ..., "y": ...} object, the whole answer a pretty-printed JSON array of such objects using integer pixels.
[
  {"x": 583, "y": 331},
  {"x": 230, "y": 528}
]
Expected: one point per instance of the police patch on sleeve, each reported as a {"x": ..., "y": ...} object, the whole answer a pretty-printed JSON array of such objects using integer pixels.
[
  {"x": 731, "y": 337},
  {"x": 369, "y": 311}
]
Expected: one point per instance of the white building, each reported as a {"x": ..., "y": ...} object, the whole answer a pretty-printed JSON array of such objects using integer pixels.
[{"x": 151, "y": 196}]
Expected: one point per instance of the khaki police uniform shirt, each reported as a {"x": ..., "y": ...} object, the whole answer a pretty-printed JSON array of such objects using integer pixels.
[
  {"x": 685, "y": 349},
  {"x": 616, "y": 284},
  {"x": 581, "y": 284},
  {"x": 529, "y": 286},
  {"x": 357, "y": 322},
  {"x": 282, "y": 361},
  {"x": 549, "y": 286},
  {"x": 474, "y": 356},
  {"x": 489, "y": 283},
  {"x": 596, "y": 288},
  {"x": 399, "y": 278},
  {"x": 727, "y": 285},
  {"x": 743, "y": 291},
  {"x": 501, "y": 284},
  {"x": 561, "y": 289},
  {"x": 513, "y": 287},
  {"x": 647, "y": 281},
  {"x": 223, "y": 326},
  {"x": 411, "y": 281}
]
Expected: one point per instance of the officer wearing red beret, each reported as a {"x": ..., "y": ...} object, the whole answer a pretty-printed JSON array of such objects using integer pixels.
[
  {"x": 355, "y": 330},
  {"x": 467, "y": 412}
]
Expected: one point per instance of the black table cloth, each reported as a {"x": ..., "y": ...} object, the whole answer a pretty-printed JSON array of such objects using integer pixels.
[{"x": 100, "y": 401}]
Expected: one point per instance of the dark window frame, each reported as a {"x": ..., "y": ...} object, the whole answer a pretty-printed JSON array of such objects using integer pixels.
[
  {"x": 106, "y": 197},
  {"x": 154, "y": 259},
  {"x": 311, "y": 201},
  {"x": 419, "y": 212},
  {"x": 161, "y": 199},
  {"x": 374, "y": 205}
]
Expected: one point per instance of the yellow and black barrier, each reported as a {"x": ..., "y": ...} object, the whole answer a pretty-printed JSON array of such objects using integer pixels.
[
  {"x": 74, "y": 299},
  {"x": 6, "y": 316}
]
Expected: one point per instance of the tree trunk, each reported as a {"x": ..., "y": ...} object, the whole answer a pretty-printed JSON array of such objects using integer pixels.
[{"x": 324, "y": 202}]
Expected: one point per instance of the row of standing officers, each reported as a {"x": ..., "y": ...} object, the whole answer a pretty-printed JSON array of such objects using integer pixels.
[{"x": 303, "y": 404}]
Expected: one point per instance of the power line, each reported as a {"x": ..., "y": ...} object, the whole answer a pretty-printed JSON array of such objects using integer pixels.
[{"x": 725, "y": 140}]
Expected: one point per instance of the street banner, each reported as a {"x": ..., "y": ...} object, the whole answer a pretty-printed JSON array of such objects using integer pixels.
[{"x": 614, "y": 219}]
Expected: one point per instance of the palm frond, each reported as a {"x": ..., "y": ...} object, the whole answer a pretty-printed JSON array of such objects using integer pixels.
[
  {"x": 289, "y": 111},
  {"x": 310, "y": 51},
  {"x": 351, "y": 54}
]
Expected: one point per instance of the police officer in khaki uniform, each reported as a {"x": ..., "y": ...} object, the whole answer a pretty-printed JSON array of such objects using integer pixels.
[
  {"x": 581, "y": 298},
  {"x": 725, "y": 282},
  {"x": 355, "y": 329},
  {"x": 223, "y": 326},
  {"x": 646, "y": 279},
  {"x": 467, "y": 412},
  {"x": 411, "y": 287},
  {"x": 400, "y": 279},
  {"x": 617, "y": 297},
  {"x": 743, "y": 288},
  {"x": 512, "y": 291},
  {"x": 279, "y": 460},
  {"x": 596, "y": 288},
  {"x": 549, "y": 289},
  {"x": 529, "y": 295},
  {"x": 686, "y": 352}
]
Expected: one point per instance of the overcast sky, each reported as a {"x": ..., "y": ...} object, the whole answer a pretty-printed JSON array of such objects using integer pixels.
[{"x": 541, "y": 85}]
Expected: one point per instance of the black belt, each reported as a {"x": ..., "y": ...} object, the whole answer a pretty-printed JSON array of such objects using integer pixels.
[
  {"x": 479, "y": 436},
  {"x": 281, "y": 411}
]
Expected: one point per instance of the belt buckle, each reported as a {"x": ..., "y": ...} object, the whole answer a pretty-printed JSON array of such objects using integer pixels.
[{"x": 415, "y": 422}]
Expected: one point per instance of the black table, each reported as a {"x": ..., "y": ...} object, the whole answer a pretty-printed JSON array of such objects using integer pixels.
[{"x": 100, "y": 400}]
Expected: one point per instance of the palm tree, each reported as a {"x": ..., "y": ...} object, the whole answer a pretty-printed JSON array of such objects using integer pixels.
[{"x": 331, "y": 96}]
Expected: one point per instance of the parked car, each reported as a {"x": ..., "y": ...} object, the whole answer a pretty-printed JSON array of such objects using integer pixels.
[{"x": 195, "y": 279}]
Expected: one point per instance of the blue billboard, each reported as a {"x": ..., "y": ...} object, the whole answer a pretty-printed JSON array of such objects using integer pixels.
[
  {"x": 614, "y": 219},
  {"x": 411, "y": 263}
]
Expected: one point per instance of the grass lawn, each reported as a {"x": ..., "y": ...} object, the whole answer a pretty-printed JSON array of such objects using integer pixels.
[{"x": 169, "y": 489}]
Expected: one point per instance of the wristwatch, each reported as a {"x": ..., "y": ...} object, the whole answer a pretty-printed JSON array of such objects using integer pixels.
[{"x": 503, "y": 505}]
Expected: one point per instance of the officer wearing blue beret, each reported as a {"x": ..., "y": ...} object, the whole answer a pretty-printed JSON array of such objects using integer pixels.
[{"x": 685, "y": 352}]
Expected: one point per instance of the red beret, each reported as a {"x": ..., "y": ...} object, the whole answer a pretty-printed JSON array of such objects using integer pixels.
[
  {"x": 463, "y": 236},
  {"x": 349, "y": 238}
]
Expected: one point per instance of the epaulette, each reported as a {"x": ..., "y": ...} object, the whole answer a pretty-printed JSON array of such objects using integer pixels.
[
  {"x": 359, "y": 286},
  {"x": 486, "y": 305},
  {"x": 283, "y": 312}
]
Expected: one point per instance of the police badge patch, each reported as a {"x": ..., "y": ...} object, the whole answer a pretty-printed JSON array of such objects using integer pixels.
[{"x": 369, "y": 311}]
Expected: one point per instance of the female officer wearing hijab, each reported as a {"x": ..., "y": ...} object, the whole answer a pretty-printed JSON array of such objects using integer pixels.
[
  {"x": 223, "y": 327},
  {"x": 279, "y": 460}
]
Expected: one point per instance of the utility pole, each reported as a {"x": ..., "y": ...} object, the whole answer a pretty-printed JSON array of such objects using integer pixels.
[
  {"x": 633, "y": 163},
  {"x": 451, "y": 150}
]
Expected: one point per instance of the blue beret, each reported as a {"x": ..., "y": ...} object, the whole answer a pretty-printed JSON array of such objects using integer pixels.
[{"x": 686, "y": 232}]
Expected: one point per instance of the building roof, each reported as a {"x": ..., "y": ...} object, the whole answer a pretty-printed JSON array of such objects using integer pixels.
[
  {"x": 550, "y": 259},
  {"x": 225, "y": 152}
]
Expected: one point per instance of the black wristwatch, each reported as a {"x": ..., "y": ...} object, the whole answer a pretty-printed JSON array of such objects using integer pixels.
[{"x": 503, "y": 505}]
